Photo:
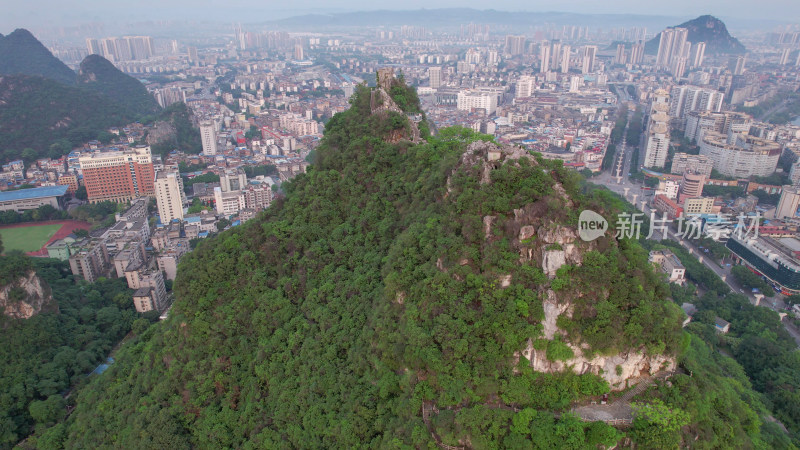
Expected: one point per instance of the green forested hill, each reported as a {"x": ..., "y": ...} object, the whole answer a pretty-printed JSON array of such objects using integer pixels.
[
  {"x": 374, "y": 291},
  {"x": 35, "y": 112},
  {"x": 99, "y": 75},
  {"x": 42, "y": 101},
  {"x": 22, "y": 54}
]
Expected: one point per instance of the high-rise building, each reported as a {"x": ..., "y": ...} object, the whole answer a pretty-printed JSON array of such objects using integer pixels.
[
  {"x": 127, "y": 48},
  {"x": 665, "y": 47},
  {"x": 679, "y": 45},
  {"x": 555, "y": 56},
  {"x": 118, "y": 176},
  {"x": 94, "y": 47},
  {"x": 698, "y": 54},
  {"x": 208, "y": 135},
  {"x": 657, "y": 144},
  {"x": 544, "y": 57},
  {"x": 515, "y": 45},
  {"x": 785, "y": 56},
  {"x": 687, "y": 98},
  {"x": 589, "y": 54},
  {"x": 565, "y": 56},
  {"x": 435, "y": 75},
  {"x": 738, "y": 65},
  {"x": 637, "y": 53},
  {"x": 678, "y": 67},
  {"x": 169, "y": 196},
  {"x": 672, "y": 45},
  {"x": 619, "y": 58}
]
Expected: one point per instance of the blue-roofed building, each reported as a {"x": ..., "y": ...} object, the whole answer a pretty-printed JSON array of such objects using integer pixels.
[{"x": 25, "y": 199}]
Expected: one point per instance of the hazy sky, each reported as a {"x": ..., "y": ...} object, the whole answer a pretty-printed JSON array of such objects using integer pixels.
[{"x": 38, "y": 13}]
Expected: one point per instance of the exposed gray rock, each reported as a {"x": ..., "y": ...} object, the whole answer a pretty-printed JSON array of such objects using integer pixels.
[{"x": 26, "y": 296}]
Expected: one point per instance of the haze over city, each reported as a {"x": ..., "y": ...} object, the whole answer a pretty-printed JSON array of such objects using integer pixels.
[{"x": 54, "y": 12}]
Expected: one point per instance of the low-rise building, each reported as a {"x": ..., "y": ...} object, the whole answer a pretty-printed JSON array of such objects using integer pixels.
[
  {"x": 721, "y": 325},
  {"x": 669, "y": 264},
  {"x": 698, "y": 205},
  {"x": 25, "y": 199},
  {"x": 666, "y": 206},
  {"x": 64, "y": 248}
]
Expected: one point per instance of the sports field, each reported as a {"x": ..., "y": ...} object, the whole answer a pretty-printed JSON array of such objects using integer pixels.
[{"x": 29, "y": 238}]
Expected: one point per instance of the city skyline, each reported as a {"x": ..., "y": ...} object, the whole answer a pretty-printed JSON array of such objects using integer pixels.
[{"x": 51, "y": 12}]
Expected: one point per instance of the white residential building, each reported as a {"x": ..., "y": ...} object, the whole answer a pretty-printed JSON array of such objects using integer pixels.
[
  {"x": 468, "y": 100},
  {"x": 208, "y": 135},
  {"x": 170, "y": 197}
]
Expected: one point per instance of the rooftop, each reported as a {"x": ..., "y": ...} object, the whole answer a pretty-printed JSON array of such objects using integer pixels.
[
  {"x": 142, "y": 292},
  {"x": 40, "y": 192}
]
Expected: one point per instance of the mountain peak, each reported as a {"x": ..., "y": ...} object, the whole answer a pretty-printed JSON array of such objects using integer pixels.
[
  {"x": 21, "y": 53},
  {"x": 99, "y": 74},
  {"x": 22, "y": 33},
  {"x": 708, "y": 29}
]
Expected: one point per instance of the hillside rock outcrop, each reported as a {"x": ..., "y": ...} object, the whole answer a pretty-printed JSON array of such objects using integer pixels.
[{"x": 26, "y": 296}]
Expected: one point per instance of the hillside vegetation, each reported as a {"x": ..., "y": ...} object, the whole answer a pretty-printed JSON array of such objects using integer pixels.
[
  {"x": 35, "y": 112},
  {"x": 47, "y": 107},
  {"x": 375, "y": 291},
  {"x": 99, "y": 75},
  {"x": 22, "y": 54}
]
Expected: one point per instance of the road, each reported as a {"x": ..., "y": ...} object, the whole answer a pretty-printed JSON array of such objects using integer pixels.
[{"x": 619, "y": 182}]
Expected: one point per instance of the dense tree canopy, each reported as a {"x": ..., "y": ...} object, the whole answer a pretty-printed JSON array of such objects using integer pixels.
[{"x": 370, "y": 294}]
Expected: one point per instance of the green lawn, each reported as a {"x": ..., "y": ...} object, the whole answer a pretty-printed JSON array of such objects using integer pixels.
[{"x": 27, "y": 239}]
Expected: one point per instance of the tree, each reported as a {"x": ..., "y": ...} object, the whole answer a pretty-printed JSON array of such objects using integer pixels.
[
  {"x": 222, "y": 223},
  {"x": 656, "y": 425},
  {"x": 29, "y": 155},
  {"x": 140, "y": 326},
  {"x": 81, "y": 194},
  {"x": 105, "y": 137},
  {"x": 47, "y": 411},
  {"x": 750, "y": 280}
]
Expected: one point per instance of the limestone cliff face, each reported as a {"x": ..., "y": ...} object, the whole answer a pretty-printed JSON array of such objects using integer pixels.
[
  {"x": 381, "y": 103},
  {"x": 26, "y": 296},
  {"x": 543, "y": 241},
  {"x": 615, "y": 369}
]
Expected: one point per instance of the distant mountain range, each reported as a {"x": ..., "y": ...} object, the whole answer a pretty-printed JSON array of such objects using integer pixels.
[
  {"x": 42, "y": 100},
  {"x": 706, "y": 29},
  {"x": 455, "y": 17}
]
